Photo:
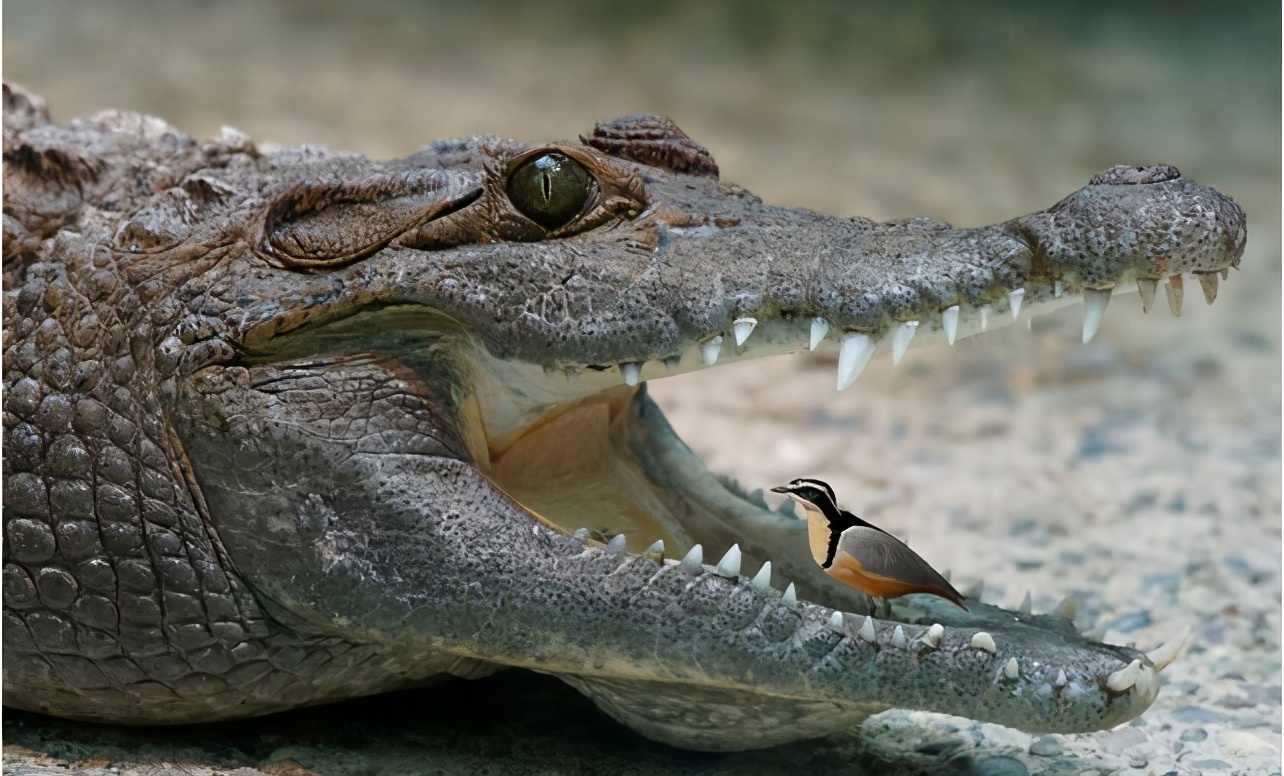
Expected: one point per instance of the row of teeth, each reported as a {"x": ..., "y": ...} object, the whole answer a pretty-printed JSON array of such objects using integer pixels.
[
  {"x": 856, "y": 349},
  {"x": 1133, "y": 674}
]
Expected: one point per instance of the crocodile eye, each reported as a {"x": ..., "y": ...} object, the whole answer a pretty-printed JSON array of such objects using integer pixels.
[{"x": 550, "y": 189}]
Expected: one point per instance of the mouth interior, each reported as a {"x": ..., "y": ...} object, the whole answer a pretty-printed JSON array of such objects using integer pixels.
[{"x": 573, "y": 468}]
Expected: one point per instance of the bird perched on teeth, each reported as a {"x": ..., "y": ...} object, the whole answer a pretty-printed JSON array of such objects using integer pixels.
[{"x": 859, "y": 554}]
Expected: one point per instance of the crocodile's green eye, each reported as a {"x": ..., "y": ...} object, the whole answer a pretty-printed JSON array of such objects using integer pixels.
[{"x": 549, "y": 189}]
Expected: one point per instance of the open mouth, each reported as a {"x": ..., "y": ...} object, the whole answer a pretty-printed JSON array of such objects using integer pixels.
[{"x": 584, "y": 449}]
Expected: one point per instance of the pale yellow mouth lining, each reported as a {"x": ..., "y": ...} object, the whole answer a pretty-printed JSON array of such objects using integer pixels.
[{"x": 572, "y": 468}]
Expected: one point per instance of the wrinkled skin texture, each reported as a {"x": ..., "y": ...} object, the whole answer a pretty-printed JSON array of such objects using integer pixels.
[{"x": 257, "y": 408}]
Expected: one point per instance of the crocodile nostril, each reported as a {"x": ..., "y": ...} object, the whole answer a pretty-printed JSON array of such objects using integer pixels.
[{"x": 1123, "y": 174}]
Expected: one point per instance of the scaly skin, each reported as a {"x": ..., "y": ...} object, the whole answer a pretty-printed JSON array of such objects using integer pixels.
[{"x": 265, "y": 413}]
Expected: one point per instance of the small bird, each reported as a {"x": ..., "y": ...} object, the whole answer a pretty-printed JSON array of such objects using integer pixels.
[{"x": 859, "y": 554}]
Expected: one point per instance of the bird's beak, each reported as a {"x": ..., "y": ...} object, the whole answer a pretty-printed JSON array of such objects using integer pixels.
[{"x": 781, "y": 489}]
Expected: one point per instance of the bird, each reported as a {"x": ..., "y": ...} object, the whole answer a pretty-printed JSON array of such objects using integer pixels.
[{"x": 860, "y": 554}]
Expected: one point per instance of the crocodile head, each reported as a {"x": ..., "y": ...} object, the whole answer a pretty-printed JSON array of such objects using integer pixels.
[{"x": 407, "y": 402}]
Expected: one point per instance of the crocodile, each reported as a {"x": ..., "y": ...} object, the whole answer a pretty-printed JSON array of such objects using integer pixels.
[{"x": 284, "y": 426}]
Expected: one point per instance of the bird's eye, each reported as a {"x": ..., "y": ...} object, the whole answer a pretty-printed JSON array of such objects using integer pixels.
[{"x": 549, "y": 189}]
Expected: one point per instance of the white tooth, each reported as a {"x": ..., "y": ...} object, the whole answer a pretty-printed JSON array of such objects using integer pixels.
[
  {"x": 617, "y": 543},
  {"x": 819, "y": 328},
  {"x": 898, "y": 638},
  {"x": 984, "y": 641},
  {"x": 1068, "y": 607},
  {"x": 1225, "y": 272},
  {"x": 709, "y": 351},
  {"x": 1124, "y": 678},
  {"x": 985, "y": 317},
  {"x": 581, "y": 534},
  {"x": 1011, "y": 669},
  {"x": 1169, "y": 651},
  {"x": 790, "y": 597},
  {"x": 1014, "y": 301},
  {"x": 901, "y": 340},
  {"x": 729, "y": 566},
  {"x": 743, "y": 328},
  {"x": 656, "y": 548},
  {"x": 950, "y": 322},
  {"x": 693, "y": 561},
  {"x": 836, "y": 621},
  {"x": 1208, "y": 282},
  {"x": 1094, "y": 308},
  {"x": 934, "y": 634},
  {"x": 1175, "y": 288},
  {"x": 867, "y": 631},
  {"x": 1027, "y": 606},
  {"x": 762, "y": 580},
  {"x": 1061, "y": 680},
  {"x": 854, "y": 353},
  {"x": 1146, "y": 287},
  {"x": 1056, "y": 289},
  {"x": 631, "y": 373}
]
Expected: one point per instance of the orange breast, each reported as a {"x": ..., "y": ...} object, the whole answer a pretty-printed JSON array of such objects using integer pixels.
[{"x": 848, "y": 570}]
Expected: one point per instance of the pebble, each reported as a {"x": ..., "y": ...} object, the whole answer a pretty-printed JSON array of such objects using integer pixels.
[
  {"x": 1194, "y": 735},
  {"x": 1002, "y": 765},
  {"x": 1116, "y": 741},
  {"x": 1046, "y": 746}
]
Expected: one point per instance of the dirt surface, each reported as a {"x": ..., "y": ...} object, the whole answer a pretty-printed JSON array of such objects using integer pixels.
[{"x": 1141, "y": 473}]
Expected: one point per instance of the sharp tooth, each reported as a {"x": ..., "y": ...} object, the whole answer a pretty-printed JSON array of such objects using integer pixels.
[
  {"x": 1224, "y": 272},
  {"x": 656, "y": 549},
  {"x": 631, "y": 373},
  {"x": 581, "y": 534},
  {"x": 617, "y": 543},
  {"x": 836, "y": 621},
  {"x": 984, "y": 641},
  {"x": 729, "y": 566},
  {"x": 1061, "y": 680},
  {"x": 898, "y": 638},
  {"x": 709, "y": 351},
  {"x": 1014, "y": 302},
  {"x": 762, "y": 580},
  {"x": 1124, "y": 678},
  {"x": 901, "y": 340},
  {"x": 693, "y": 561},
  {"x": 1027, "y": 606},
  {"x": 950, "y": 322},
  {"x": 1147, "y": 287},
  {"x": 1011, "y": 669},
  {"x": 1056, "y": 289},
  {"x": 854, "y": 353},
  {"x": 1068, "y": 607},
  {"x": 985, "y": 317},
  {"x": 934, "y": 634},
  {"x": 819, "y": 328},
  {"x": 1208, "y": 282},
  {"x": 1169, "y": 651},
  {"x": 867, "y": 632},
  {"x": 1175, "y": 289},
  {"x": 743, "y": 328},
  {"x": 1094, "y": 308},
  {"x": 790, "y": 597}
]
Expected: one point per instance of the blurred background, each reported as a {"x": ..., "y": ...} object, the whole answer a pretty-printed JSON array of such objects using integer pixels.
[{"x": 972, "y": 112}]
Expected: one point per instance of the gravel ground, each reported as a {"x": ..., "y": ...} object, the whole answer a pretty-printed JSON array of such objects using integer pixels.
[{"x": 1141, "y": 473}]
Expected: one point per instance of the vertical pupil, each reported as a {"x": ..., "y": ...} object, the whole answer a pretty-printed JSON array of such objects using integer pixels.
[{"x": 546, "y": 184}]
